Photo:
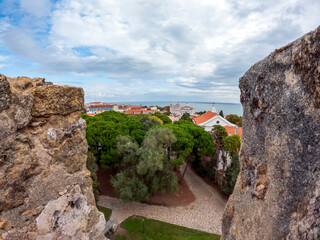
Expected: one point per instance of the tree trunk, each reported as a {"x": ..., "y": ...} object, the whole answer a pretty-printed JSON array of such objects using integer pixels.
[{"x": 184, "y": 172}]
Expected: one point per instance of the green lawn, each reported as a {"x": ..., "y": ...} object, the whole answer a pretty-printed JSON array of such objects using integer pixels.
[
  {"x": 154, "y": 230},
  {"x": 106, "y": 211}
]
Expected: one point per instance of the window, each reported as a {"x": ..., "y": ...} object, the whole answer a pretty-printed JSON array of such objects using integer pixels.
[{"x": 217, "y": 122}]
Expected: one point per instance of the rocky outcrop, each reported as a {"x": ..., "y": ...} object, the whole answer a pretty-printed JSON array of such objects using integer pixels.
[
  {"x": 45, "y": 188},
  {"x": 277, "y": 195}
]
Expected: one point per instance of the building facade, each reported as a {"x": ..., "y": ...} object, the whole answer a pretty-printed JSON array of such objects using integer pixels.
[{"x": 178, "y": 109}]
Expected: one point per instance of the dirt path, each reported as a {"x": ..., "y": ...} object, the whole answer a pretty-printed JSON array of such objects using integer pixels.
[{"x": 204, "y": 214}]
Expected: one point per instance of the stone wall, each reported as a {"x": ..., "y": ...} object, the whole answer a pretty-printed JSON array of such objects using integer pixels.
[
  {"x": 45, "y": 188},
  {"x": 277, "y": 195}
]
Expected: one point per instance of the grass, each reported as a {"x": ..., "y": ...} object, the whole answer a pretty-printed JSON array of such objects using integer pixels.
[
  {"x": 156, "y": 230},
  {"x": 106, "y": 211}
]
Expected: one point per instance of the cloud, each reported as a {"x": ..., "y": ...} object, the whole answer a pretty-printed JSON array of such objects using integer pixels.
[
  {"x": 38, "y": 8},
  {"x": 199, "y": 48}
]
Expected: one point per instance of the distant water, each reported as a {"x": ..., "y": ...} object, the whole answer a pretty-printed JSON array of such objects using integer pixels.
[{"x": 227, "y": 108}]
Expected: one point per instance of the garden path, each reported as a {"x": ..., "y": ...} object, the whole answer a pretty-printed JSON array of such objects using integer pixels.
[{"x": 204, "y": 214}]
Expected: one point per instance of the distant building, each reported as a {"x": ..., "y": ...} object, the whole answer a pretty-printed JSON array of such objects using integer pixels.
[
  {"x": 175, "y": 109},
  {"x": 186, "y": 109},
  {"x": 178, "y": 109},
  {"x": 100, "y": 107}
]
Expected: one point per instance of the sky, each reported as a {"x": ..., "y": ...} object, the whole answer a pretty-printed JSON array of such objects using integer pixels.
[{"x": 148, "y": 50}]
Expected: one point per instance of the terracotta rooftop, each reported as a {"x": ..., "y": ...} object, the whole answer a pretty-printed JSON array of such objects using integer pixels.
[
  {"x": 204, "y": 117},
  {"x": 137, "y": 111},
  {"x": 101, "y": 106},
  {"x": 232, "y": 130}
]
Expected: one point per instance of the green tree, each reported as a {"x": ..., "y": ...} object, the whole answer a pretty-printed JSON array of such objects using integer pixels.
[
  {"x": 235, "y": 119},
  {"x": 219, "y": 133},
  {"x": 232, "y": 144},
  {"x": 203, "y": 144},
  {"x": 201, "y": 112},
  {"x": 102, "y": 132},
  {"x": 150, "y": 121},
  {"x": 221, "y": 113},
  {"x": 182, "y": 147},
  {"x": 146, "y": 169},
  {"x": 165, "y": 119},
  {"x": 231, "y": 175},
  {"x": 186, "y": 117}
]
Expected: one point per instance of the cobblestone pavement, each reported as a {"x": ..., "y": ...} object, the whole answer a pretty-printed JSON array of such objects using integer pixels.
[{"x": 204, "y": 214}]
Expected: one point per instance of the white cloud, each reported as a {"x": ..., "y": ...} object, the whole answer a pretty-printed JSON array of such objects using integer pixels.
[
  {"x": 197, "y": 47},
  {"x": 2, "y": 65},
  {"x": 38, "y": 8}
]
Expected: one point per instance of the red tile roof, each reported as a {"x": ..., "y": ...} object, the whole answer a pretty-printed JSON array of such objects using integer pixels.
[
  {"x": 137, "y": 111},
  {"x": 232, "y": 130},
  {"x": 204, "y": 117},
  {"x": 136, "y": 107},
  {"x": 101, "y": 106}
]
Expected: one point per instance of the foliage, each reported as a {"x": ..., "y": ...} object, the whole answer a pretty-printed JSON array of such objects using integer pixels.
[
  {"x": 219, "y": 133},
  {"x": 232, "y": 144},
  {"x": 186, "y": 116},
  {"x": 206, "y": 169},
  {"x": 148, "y": 229},
  {"x": 235, "y": 119},
  {"x": 201, "y": 112},
  {"x": 146, "y": 169},
  {"x": 202, "y": 140},
  {"x": 182, "y": 147},
  {"x": 150, "y": 121},
  {"x": 103, "y": 130},
  {"x": 231, "y": 175},
  {"x": 166, "y": 108},
  {"x": 221, "y": 113},
  {"x": 160, "y": 108},
  {"x": 106, "y": 212},
  {"x": 165, "y": 119},
  {"x": 93, "y": 167},
  {"x": 196, "y": 143}
]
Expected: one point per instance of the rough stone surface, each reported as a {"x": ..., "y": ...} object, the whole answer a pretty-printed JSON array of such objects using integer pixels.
[
  {"x": 45, "y": 188},
  {"x": 277, "y": 195}
]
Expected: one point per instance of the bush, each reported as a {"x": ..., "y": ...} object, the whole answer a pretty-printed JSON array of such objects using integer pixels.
[{"x": 231, "y": 175}]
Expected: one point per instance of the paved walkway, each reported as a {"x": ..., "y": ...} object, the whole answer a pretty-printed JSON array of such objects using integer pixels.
[{"x": 204, "y": 214}]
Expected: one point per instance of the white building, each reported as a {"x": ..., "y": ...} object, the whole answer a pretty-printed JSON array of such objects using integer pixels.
[
  {"x": 178, "y": 109},
  {"x": 211, "y": 118},
  {"x": 186, "y": 109},
  {"x": 175, "y": 109}
]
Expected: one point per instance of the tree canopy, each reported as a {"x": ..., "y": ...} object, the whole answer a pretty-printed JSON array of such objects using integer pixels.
[
  {"x": 102, "y": 132},
  {"x": 186, "y": 117},
  {"x": 165, "y": 119},
  {"x": 235, "y": 119},
  {"x": 219, "y": 133},
  {"x": 232, "y": 144},
  {"x": 146, "y": 169}
]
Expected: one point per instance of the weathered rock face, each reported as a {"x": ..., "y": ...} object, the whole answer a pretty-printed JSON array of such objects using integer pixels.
[
  {"x": 277, "y": 195},
  {"x": 45, "y": 188}
]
